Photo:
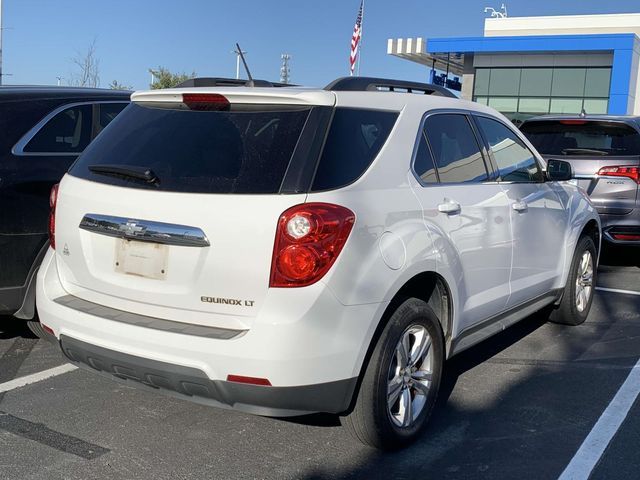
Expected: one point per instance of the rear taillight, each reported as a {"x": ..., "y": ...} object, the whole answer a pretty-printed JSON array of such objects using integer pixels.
[
  {"x": 53, "y": 200},
  {"x": 206, "y": 101},
  {"x": 619, "y": 171},
  {"x": 309, "y": 238}
]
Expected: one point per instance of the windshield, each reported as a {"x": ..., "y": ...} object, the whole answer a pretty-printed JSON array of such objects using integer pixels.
[
  {"x": 583, "y": 137},
  {"x": 244, "y": 151}
]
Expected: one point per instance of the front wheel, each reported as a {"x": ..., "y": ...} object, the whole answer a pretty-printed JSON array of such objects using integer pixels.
[
  {"x": 400, "y": 384},
  {"x": 578, "y": 292}
]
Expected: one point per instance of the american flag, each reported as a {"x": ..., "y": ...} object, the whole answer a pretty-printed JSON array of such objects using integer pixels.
[{"x": 355, "y": 39}]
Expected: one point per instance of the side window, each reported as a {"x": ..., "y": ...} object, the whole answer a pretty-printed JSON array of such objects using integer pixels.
[
  {"x": 69, "y": 131},
  {"x": 107, "y": 112},
  {"x": 354, "y": 140},
  {"x": 455, "y": 149},
  {"x": 423, "y": 163},
  {"x": 516, "y": 163}
]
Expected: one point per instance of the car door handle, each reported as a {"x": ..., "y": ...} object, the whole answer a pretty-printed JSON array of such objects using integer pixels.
[
  {"x": 449, "y": 207},
  {"x": 520, "y": 206}
]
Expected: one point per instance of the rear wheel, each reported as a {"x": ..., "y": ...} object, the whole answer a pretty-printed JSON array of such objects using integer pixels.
[
  {"x": 400, "y": 385},
  {"x": 578, "y": 292}
]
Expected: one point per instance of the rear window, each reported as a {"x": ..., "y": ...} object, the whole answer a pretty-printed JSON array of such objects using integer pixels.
[
  {"x": 583, "y": 137},
  {"x": 237, "y": 151}
]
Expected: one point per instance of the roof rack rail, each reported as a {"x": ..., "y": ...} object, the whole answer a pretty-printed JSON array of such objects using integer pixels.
[
  {"x": 227, "y": 82},
  {"x": 371, "y": 84}
]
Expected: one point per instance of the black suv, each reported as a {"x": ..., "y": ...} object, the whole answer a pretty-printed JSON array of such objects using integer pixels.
[{"x": 42, "y": 132}]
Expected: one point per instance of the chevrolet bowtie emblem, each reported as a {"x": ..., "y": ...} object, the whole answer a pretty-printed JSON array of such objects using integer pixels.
[{"x": 132, "y": 229}]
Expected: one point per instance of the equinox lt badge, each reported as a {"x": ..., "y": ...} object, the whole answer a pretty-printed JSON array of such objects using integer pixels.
[{"x": 228, "y": 301}]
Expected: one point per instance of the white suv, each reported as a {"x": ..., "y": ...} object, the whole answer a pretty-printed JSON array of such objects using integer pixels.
[{"x": 283, "y": 251}]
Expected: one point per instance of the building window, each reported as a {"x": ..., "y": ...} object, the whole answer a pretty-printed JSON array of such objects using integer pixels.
[{"x": 520, "y": 93}]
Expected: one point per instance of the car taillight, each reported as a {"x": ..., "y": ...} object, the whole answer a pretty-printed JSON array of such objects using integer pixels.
[
  {"x": 53, "y": 200},
  {"x": 619, "y": 171},
  {"x": 309, "y": 238},
  {"x": 206, "y": 101}
]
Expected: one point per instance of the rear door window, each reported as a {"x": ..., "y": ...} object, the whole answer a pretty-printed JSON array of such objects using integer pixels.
[
  {"x": 353, "y": 142},
  {"x": 516, "y": 163},
  {"x": 69, "y": 131},
  {"x": 583, "y": 137},
  {"x": 455, "y": 149},
  {"x": 245, "y": 150}
]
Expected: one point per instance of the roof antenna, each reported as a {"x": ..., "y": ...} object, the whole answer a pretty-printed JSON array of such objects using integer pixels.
[
  {"x": 250, "y": 83},
  {"x": 583, "y": 113}
]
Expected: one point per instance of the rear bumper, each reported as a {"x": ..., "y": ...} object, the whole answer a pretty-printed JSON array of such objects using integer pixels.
[
  {"x": 304, "y": 341},
  {"x": 626, "y": 225},
  {"x": 191, "y": 383}
]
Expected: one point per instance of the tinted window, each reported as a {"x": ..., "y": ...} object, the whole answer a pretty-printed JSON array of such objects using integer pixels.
[
  {"x": 582, "y": 137},
  {"x": 516, "y": 163},
  {"x": 455, "y": 149},
  {"x": 67, "y": 132},
  {"x": 106, "y": 113},
  {"x": 423, "y": 163},
  {"x": 354, "y": 140},
  {"x": 237, "y": 151}
]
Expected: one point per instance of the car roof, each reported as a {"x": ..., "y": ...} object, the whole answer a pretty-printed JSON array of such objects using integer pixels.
[{"x": 11, "y": 92}]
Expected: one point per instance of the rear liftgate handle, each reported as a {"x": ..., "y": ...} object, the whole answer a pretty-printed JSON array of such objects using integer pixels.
[
  {"x": 450, "y": 207},
  {"x": 520, "y": 206}
]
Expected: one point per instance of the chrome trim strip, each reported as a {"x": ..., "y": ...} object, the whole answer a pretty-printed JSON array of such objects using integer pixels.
[
  {"x": 143, "y": 321},
  {"x": 144, "y": 230},
  {"x": 18, "y": 148}
]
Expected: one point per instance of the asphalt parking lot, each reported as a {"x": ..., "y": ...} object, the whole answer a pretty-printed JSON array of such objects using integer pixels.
[{"x": 518, "y": 406}]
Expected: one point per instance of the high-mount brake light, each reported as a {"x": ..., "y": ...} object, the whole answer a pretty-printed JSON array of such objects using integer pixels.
[
  {"x": 621, "y": 171},
  {"x": 206, "y": 101},
  {"x": 309, "y": 238},
  {"x": 53, "y": 201},
  {"x": 573, "y": 122}
]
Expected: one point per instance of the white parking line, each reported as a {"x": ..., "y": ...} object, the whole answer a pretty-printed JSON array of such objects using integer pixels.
[
  {"x": 591, "y": 450},
  {"x": 36, "y": 377},
  {"x": 617, "y": 290}
]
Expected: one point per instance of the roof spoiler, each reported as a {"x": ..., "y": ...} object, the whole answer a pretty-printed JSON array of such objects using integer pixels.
[{"x": 228, "y": 82}]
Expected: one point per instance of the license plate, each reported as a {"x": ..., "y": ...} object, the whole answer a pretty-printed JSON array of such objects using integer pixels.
[{"x": 143, "y": 259}]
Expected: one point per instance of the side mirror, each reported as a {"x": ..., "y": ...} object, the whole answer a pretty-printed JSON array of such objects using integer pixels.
[{"x": 559, "y": 170}]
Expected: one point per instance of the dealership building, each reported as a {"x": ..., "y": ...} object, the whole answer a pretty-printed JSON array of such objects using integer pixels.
[{"x": 526, "y": 66}]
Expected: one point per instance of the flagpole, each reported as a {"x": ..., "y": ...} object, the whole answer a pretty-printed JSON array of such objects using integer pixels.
[{"x": 361, "y": 37}]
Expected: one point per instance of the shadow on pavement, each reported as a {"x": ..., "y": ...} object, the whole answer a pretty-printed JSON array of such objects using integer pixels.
[
  {"x": 11, "y": 327},
  {"x": 617, "y": 256},
  {"x": 521, "y": 401}
]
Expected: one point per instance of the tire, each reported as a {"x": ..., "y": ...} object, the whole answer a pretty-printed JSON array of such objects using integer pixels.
[
  {"x": 573, "y": 310},
  {"x": 36, "y": 328},
  {"x": 372, "y": 421}
]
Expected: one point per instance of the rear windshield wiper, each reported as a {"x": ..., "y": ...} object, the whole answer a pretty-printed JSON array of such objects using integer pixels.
[
  {"x": 129, "y": 171},
  {"x": 583, "y": 151}
]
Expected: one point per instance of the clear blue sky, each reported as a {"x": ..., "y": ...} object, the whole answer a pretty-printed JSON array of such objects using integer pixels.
[{"x": 42, "y": 36}]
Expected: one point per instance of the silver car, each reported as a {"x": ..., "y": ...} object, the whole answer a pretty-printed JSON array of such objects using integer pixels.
[{"x": 604, "y": 152}]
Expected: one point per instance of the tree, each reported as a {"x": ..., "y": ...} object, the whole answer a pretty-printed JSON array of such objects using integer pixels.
[
  {"x": 89, "y": 65},
  {"x": 115, "y": 85},
  {"x": 163, "y": 78}
]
